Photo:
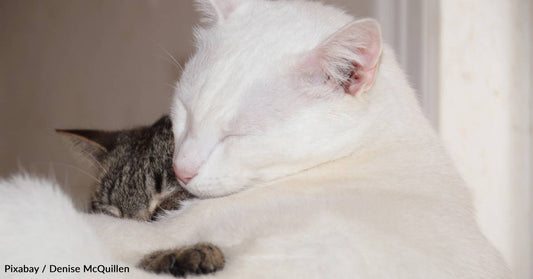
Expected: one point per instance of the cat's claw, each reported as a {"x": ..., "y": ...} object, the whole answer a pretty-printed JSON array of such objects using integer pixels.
[{"x": 201, "y": 258}]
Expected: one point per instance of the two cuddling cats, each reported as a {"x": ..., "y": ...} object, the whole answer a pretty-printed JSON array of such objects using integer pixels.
[
  {"x": 136, "y": 180},
  {"x": 303, "y": 141}
]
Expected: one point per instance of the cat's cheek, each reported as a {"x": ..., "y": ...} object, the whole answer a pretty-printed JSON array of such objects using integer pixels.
[
  {"x": 217, "y": 185},
  {"x": 178, "y": 116},
  {"x": 222, "y": 174}
]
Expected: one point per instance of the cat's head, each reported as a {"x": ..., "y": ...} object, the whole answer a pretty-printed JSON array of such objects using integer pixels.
[
  {"x": 134, "y": 169},
  {"x": 274, "y": 88}
]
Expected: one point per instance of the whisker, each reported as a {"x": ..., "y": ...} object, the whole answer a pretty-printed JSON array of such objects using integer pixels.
[
  {"x": 20, "y": 166},
  {"x": 82, "y": 171},
  {"x": 174, "y": 60},
  {"x": 173, "y": 86},
  {"x": 52, "y": 172},
  {"x": 66, "y": 179},
  {"x": 95, "y": 163}
]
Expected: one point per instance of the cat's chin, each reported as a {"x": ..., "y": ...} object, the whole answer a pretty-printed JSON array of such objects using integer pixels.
[
  {"x": 207, "y": 190},
  {"x": 210, "y": 193}
]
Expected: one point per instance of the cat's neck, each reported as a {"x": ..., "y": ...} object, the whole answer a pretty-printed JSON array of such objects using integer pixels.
[{"x": 405, "y": 163}]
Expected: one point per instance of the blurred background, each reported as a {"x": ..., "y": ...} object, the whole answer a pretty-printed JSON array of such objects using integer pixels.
[{"x": 110, "y": 65}]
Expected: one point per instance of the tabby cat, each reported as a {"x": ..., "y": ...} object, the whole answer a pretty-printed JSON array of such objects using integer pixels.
[
  {"x": 135, "y": 173},
  {"x": 136, "y": 181}
]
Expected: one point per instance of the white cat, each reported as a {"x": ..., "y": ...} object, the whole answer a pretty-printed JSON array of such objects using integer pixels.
[{"x": 297, "y": 123}]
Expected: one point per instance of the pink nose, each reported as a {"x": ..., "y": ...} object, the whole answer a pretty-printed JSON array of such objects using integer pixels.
[{"x": 184, "y": 175}]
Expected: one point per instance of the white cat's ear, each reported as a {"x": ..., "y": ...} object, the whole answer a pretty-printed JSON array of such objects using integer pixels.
[
  {"x": 216, "y": 11},
  {"x": 350, "y": 57}
]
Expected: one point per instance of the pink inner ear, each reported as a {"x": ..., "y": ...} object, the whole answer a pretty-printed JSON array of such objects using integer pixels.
[
  {"x": 355, "y": 48},
  {"x": 363, "y": 74},
  {"x": 216, "y": 10},
  {"x": 354, "y": 84},
  {"x": 227, "y": 7},
  {"x": 361, "y": 78},
  {"x": 224, "y": 8}
]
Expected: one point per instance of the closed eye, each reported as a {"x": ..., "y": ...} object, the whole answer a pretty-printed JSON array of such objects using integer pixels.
[
  {"x": 232, "y": 136},
  {"x": 111, "y": 210},
  {"x": 156, "y": 214},
  {"x": 158, "y": 180}
]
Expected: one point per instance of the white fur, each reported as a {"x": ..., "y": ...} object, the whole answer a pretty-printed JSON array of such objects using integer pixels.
[
  {"x": 306, "y": 181},
  {"x": 39, "y": 226}
]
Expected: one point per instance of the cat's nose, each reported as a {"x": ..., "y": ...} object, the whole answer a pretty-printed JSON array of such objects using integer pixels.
[{"x": 184, "y": 175}]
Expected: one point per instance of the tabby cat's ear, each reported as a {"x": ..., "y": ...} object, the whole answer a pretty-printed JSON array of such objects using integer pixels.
[
  {"x": 94, "y": 142},
  {"x": 164, "y": 121},
  {"x": 349, "y": 58}
]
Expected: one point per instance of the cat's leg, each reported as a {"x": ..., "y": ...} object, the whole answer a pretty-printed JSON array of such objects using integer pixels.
[
  {"x": 135, "y": 242},
  {"x": 201, "y": 258},
  {"x": 130, "y": 240},
  {"x": 127, "y": 240}
]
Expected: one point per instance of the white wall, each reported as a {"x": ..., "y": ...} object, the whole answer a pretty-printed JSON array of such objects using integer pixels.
[
  {"x": 411, "y": 27},
  {"x": 485, "y": 111}
]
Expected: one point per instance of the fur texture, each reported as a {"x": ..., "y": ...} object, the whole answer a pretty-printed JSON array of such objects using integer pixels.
[
  {"x": 201, "y": 258},
  {"x": 307, "y": 178},
  {"x": 134, "y": 170},
  {"x": 41, "y": 227}
]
